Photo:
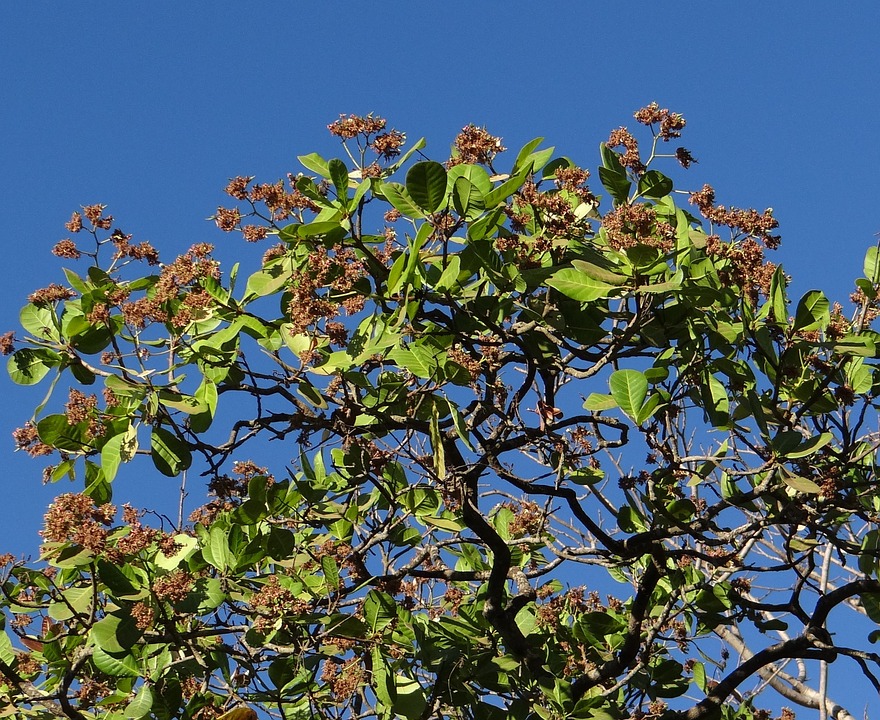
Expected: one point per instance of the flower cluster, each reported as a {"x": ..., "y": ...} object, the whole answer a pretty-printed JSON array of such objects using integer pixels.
[
  {"x": 621, "y": 137},
  {"x": 349, "y": 127},
  {"x": 671, "y": 124},
  {"x": 475, "y": 145},
  {"x": 28, "y": 439},
  {"x": 74, "y": 517},
  {"x": 747, "y": 268},
  {"x": 51, "y": 293},
  {"x": 173, "y": 587},
  {"x": 82, "y": 408},
  {"x": 749, "y": 222},
  {"x": 339, "y": 272},
  {"x": 630, "y": 225}
]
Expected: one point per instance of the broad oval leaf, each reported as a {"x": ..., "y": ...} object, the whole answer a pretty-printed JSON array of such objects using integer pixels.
[
  {"x": 170, "y": 455},
  {"x": 579, "y": 286},
  {"x": 426, "y": 185},
  {"x": 629, "y": 388}
]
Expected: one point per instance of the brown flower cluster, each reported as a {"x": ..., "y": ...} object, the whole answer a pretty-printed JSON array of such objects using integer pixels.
[
  {"x": 125, "y": 249},
  {"x": 27, "y": 439},
  {"x": 7, "y": 343},
  {"x": 173, "y": 587},
  {"x": 272, "y": 602},
  {"x": 621, "y": 137},
  {"x": 282, "y": 204},
  {"x": 227, "y": 219},
  {"x": 209, "y": 512},
  {"x": 461, "y": 357},
  {"x": 349, "y": 127},
  {"x": 750, "y": 222},
  {"x": 528, "y": 518},
  {"x": 75, "y": 223},
  {"x": 143, "y": 615},
  {"x": 573, "y": 179},
  {"x": 553, "y": 210},
  {"x": 79, "y": 407},
  {"x": 50, "y": 294},
  {"x": 475, "y": 145},
  {"x": 630, "y": 225},
  {"x": 139, "y": 537},
  {"x": 91, "y": 690},
  {"x": 387, "y": 145},
  {"x": 95, "y": 215},
  {"x": 83, "y": 408},
  {"x": 176, "y": 277},
  {"x": 671, "y": 124},
  {"x": 344, "y": 679},
  {"x": 237, "y": 187},
  {"x": 339, "y": 272},
  {"x": 868, "y": 309},
  {"x": 66, "y": 249},
  {"x": 746, "y": 270},
  {"x": 684, "y": 157},
  {"x": 74, "y": 517}
]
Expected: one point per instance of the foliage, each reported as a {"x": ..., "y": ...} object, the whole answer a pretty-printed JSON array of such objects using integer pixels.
[{"x": 537, "y": 453}]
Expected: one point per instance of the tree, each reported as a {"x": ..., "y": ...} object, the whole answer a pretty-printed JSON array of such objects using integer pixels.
[{"x": 535, "y": 453}]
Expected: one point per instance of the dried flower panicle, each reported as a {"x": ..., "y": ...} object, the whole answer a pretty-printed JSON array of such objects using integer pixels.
[
  {"x": 75, "y": 518},
  {"x": 475, "y": 145},
  {"x": 387, "y": 145},
  {"x": 621, "y": 137},
  {"x": 28, "y": 439},
  {"x": 348, "y": 127},
  {"x": 7, "y": 343},
  {"x": 66, "y": 249},
  {"x": 50, "y": 294},
  {"x": 630, "y": 225},
  {"x": 670, "y": 123},
  {"x": 749, "y": 222},
  {"x": 173, "y": 587}
]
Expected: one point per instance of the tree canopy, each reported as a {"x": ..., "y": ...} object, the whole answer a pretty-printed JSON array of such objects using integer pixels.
[{"x": 484, "y": 438}]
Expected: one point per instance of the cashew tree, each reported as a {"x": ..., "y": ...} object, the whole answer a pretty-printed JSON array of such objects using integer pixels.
[{"x": 482, "y": 436}]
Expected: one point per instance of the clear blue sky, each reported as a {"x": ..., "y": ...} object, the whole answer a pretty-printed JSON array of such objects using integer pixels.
[{"x": 151, "y": 107}]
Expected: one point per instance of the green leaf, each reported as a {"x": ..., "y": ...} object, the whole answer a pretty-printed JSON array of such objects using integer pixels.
[
  {"x": 579, "y": 286},
  {"x": 140, "y": 706},
  {"x": 801, "y": 484},
  {"x": 467, "y": 199},
  {"x": 599, "y": 273},
  {"x": 778, "y": 300},
  {"x": 654, "y": 185},
  {"x": 39, "y": 321},
  {"x": 813, "y": 312},
  {"x": 118, "y": 449},
  {"x": 339, "y": 176},
  {"x": 115, "y": 633},
  {"x": 185, "y": 403},
  {"x": 28, "y": 366},
  {"x": 170, "y": 454},
  {"x": 597, "y": 402},
  {"x": 524, "y": 154},
  {"x": 872, "y": 264},
  {"x": 460, "y": 425},
  {"x": 400, "y": 198},
  {"x": 809, "y": 446},
  {"x": 426, "y": 184},
  {"x": 54, "y": 430},
  {"x": 126, "y": 666},
  {"x": 379, "y": 610},
  {"x": 315, "y": 163},
  {"x": 629, "y": 388},
  {"x": 216, "y": 550}
]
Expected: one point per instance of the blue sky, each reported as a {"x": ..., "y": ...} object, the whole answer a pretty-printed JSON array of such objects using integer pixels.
[{"x": 151, "y": 107}]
